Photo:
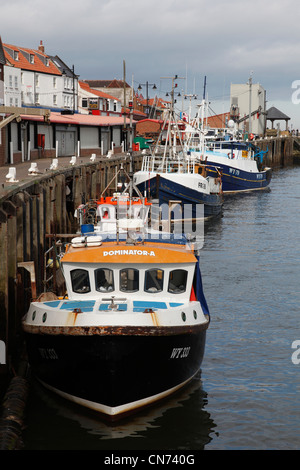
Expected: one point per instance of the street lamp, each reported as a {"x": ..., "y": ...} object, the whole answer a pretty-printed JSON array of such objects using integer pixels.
[{"x": 147, "y": 85}]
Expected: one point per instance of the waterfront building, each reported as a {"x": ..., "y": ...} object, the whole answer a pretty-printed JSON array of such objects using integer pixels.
[
  {"x": 91, "y": 101},
  {"x": 33, "y": 79}
]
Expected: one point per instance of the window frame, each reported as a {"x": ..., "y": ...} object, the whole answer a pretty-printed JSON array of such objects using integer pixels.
[
  {"x": 138, "y": 280},
  {"x": 145, "y": 280},
  {"x": 186, "y": 281},
  {"x": 111, "y": 271},
  {"x": 88, "y": 278}
]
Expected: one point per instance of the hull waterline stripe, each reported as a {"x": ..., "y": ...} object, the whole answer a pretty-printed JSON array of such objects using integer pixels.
[{"x": 117, "y": 410}]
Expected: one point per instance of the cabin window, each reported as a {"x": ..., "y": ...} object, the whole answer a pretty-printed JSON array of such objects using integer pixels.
[
  {"x": 154, "y": 280},
  {"x": 104, "y": 280},
  {"x": 129, "y": 280},
  {"x": 80, "y": 281},
  {"x": 177, "y": 281}
]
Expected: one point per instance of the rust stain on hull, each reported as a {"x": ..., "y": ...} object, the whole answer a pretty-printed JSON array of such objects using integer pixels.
[{"x": 115, "y": 330}]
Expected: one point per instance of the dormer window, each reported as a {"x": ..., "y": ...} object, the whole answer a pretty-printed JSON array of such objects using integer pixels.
[
  {"x": 47, "y": 62},
  {"x": 31, "y": 58},
  {"x": 16, "y": 55}
]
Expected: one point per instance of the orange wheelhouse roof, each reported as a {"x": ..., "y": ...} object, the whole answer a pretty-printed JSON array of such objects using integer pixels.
[{"x": 110, "y": 252}]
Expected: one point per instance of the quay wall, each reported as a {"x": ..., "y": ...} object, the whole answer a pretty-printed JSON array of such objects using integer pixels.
[{"x": 280, "y": 150}]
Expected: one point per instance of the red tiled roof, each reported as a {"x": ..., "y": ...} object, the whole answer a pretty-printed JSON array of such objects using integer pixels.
[
  {"x": 25, "y": 64},
  {"x": 101, "y": 94}
]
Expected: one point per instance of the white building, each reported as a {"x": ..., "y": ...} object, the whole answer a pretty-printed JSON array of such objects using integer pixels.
[
  {"x": 96, "y": 102},
  {"x": 245, "y": 98},
  {"x": 34, "y": 79}
]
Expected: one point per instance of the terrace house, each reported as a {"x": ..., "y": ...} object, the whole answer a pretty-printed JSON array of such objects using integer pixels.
[{"x": 34, "y": 79}]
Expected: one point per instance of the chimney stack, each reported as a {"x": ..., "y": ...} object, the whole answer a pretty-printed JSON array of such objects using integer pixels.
[{"x": 41, "y": 47}]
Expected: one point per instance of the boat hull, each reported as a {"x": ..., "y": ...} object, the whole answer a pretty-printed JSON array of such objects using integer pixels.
[
  {"x": 165, "y": 189},
  {"x": 116, "y": 374},
  {"x": 237, "y": 180}
]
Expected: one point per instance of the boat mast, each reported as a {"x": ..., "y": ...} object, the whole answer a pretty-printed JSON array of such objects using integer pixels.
[{"x": 202, "y": 140}]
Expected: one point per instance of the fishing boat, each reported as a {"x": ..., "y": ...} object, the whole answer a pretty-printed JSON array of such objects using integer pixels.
[
  {"x": 131, "y": 327},
  {"x": 169, "y": 173},
  {"x": 241, "y": 163},
  {"x": 242, "y": 166}
]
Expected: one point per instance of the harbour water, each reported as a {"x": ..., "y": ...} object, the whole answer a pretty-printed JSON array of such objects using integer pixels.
[{"x": 247, "y": 395}]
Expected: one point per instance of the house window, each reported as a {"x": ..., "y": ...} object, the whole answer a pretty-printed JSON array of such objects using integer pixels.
[
  {"x": 84, "y": 102},
  {"x": 10, "y": 81},
  {"x": 37, "y": 98},
  {"x": 16, "y": 82},
  {"x": 55, "y": 99},
  {"x": 16, "y": 102},
  {"x": 22, "y": 77},
  {"x": 54, "y": 82},
  {"x": 115, "y": 106},
  {"x": 37, "y": 80}
]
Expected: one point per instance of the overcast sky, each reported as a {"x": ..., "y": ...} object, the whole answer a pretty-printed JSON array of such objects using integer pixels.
[{"x": 225, "y": 41}]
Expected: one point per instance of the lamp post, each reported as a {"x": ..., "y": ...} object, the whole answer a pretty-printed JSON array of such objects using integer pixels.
[
  {"x": 147, "y": 85},
  {"x": 190, "y": 96}
]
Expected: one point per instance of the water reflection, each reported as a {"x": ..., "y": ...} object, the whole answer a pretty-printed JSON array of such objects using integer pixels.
[{"x": 178, "y": 422}]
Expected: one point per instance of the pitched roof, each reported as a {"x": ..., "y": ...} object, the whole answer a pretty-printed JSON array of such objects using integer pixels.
[
  {"x": 274, "y": 114},
  {"x": 85, "y": 86},
  {"x": 20, "y": 57},
  {"x": 2, "y": 54},
  {"x": 107, "y": 83},
  {"x": 157, "y": 102},
  {"x": 62, "y": 67}
]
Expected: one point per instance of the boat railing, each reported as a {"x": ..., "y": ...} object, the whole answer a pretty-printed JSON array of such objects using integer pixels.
[{"x": 181, "y": 164}]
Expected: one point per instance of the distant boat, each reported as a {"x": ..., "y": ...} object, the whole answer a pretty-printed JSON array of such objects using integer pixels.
[
  {"x": 240, "y": 163},
  {"x": 169, "y": 173}
]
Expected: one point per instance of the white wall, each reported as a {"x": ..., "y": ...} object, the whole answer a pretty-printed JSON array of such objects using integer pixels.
[
  {"x": 241, "y": 92},
  {"x": 12, "y": 86}
]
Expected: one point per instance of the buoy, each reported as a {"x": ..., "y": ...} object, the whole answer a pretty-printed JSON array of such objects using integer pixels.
[{"x": 50, "y": 263}]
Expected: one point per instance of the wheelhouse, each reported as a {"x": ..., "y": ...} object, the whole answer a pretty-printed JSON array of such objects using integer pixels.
[{"x": 145, "y": 273}]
